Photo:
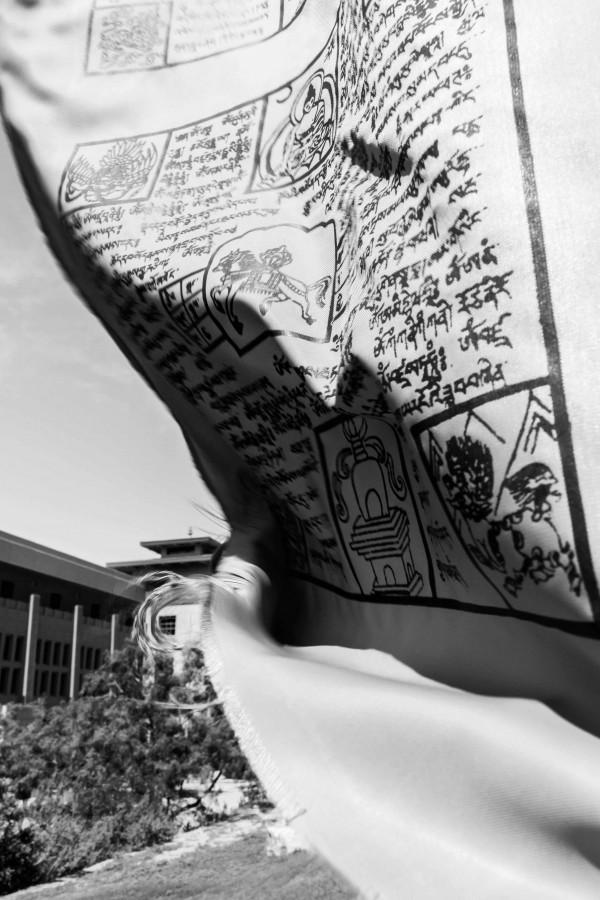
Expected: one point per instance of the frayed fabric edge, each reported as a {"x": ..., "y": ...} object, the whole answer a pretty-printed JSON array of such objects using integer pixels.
[
  {"x": 250, "y": 741},
  {"x": 169, "y": 588}
]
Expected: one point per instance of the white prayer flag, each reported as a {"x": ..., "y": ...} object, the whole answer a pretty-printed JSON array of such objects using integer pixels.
[{"x": 352, "y": 247}]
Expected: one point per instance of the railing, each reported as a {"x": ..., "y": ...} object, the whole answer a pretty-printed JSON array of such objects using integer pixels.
[
  {"x": 23, "y": 606},
  {"x": 55, "y": 613},
  {"x": 9, "y": 603},
  {"x": 96, "y": 623}
]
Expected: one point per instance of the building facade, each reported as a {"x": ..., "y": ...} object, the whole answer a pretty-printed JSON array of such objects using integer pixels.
[
  {"x": 192, "y": 557},
  {"x": 58, "y": 616}
]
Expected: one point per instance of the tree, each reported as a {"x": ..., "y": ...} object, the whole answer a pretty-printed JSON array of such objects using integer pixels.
[
  {"x": 108, "y": 771},
  {"x": 19, "y": 844}
]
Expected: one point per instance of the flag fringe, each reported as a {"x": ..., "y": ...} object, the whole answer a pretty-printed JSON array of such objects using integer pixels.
[{"x": 170, "y": 588}]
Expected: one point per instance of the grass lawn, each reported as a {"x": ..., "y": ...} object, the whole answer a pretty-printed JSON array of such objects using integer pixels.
[{"x": 238, "y": 871}]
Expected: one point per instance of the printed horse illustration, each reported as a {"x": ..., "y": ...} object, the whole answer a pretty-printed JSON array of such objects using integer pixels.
[{"x": 248, "y": 275}]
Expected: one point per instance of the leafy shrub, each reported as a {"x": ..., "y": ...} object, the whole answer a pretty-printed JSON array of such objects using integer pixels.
[
  {"x": 19, "y": 846},
  {"x": 107, "y": 771}
]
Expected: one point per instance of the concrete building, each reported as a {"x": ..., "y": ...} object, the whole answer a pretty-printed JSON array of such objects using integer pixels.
[
  {"x": 190, "y": 556},
  {"x": 58, "y": 615}
]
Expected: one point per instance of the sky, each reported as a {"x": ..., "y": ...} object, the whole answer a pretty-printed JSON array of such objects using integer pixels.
[{"x": 90, "y": 461}]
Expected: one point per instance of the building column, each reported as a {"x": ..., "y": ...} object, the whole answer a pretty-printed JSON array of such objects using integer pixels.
[
  {"x": 114, "y": 625},
  {"x": 76, "y": 651},
  {"x": 33, "y": 623}
]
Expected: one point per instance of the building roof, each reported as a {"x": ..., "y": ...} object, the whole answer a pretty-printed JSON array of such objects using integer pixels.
[
  {"x": 162, "y": 562},
  {"x": 182, "y": 545},
  {"x": 174, "y": 552},
  {"x": 17, "y": 551}
]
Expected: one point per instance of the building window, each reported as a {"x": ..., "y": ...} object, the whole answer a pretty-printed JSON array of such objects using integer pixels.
[
  {"x": 53, "y": 683},
  {"x": 55, "y": 600},
  {"x": 88, "y": 657},
  {"x": 47, "y": 652},
  {"x": 95, "y": 611},
  {"x": 15, "y": 682},
  {"x": 43, "y": 682},
  {"x": 38, "y": 651},
  {"x": 167, "y": 624},
  {"x": 8, "y": 645},
  {"x": 19, "y": 644},
  {"x": 7, "y": 589},
  {"x": 97, "y": 658},
  {"x": 4, "y": 673},
  {"x": 56, "y": 654},
  {"x": 64, "y": 685},
  {"x": 66, "y": 656}
]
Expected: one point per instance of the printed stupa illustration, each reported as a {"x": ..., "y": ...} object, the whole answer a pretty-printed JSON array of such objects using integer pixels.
[{"x": 381, "y": 532}]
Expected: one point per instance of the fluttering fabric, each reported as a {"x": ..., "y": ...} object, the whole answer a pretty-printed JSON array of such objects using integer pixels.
[{"x": 353, "y": 248}]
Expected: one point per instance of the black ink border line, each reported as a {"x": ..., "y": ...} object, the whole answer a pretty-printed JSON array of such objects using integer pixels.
[
  {"x": 183, "y": 62},
  {"x": 570, "y": 626},
  {"x": 282, "y": 14},
  {"x": 474, "y": 402},
  {"x": 544, "y": 297},
  {"x": 169, "y": 132}
]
